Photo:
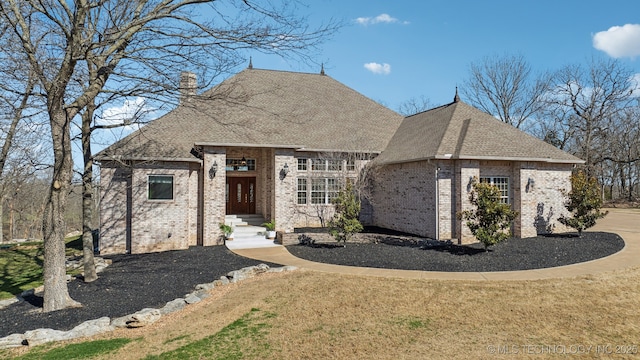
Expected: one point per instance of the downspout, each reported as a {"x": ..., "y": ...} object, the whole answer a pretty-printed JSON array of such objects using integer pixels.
[{"x": 437, "y": 205}]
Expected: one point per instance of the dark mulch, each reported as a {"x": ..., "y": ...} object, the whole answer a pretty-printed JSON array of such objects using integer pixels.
[
  {"x": 515, "y": 254},
  {"x": 129, "y": 284}
]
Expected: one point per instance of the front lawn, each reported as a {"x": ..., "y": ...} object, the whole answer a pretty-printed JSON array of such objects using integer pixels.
[{"x": 21, "y": 265}]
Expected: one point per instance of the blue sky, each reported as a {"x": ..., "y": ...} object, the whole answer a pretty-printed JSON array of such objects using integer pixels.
[{"x": 428, "y": 45}]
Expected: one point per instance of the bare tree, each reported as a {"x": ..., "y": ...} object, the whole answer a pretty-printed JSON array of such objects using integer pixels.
[
  {"x": 506, "y": 88},
  {"x": 590, "y": 100},
  {"x": 414, "y": 106},
  {"x": 136, "y": 42}
]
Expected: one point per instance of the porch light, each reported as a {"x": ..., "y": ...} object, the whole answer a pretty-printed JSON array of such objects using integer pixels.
[
  {"x": 213, "y": 170},
  {"x": 243, "y": 161}
]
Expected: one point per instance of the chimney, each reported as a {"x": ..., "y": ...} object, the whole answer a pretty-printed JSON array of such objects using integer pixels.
[{"x": 188, "y": 85}]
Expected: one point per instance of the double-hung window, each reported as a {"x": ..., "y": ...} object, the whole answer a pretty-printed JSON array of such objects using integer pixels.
[
  {"x": 302, "y": 191},
  {"x": 502, "y": 183}
]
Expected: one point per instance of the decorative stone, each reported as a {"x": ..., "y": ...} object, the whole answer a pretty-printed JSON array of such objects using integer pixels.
[
  {"x": 41, "y": 336},
  {"x": 283, "y": 269},
  {"x": 143, "y": 317},
  {"x": 91, "y": 327},
  {"x": 120, "y": 322},
  {"x": 207, "y": 286},
  {"x": 223, "y": 280},
  {"x": 173, "y": 306},
  {"x": 13, "y": 340}
]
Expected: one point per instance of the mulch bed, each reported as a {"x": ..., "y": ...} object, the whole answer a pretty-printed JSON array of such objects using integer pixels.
[
  {"x": 134, "y": 282},
  {"x": 406, "y": 253},
  {"x": 131, "y": 283}
]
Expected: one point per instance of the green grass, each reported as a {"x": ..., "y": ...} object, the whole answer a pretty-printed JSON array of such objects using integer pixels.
[
  {"x": 242, "y": 339},
  {"x": 85, "y": 350},
  {"x": 21, "y": 265}
]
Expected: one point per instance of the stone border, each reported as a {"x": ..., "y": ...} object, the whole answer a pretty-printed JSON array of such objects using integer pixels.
[{"x": 138, "y": 319}]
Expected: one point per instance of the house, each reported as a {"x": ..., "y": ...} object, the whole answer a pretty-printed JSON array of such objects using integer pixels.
[
  {"x": 280, "y": 144},
  {"x": 273, "y": 143},
  {"x": 427, "y": 170}
]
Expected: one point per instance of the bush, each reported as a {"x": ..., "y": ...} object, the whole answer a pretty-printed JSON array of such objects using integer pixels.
[
  {"x": 490, "y": 221},
  {"x": 345, "y": 221},
  {"x": 584, "y": 203}
]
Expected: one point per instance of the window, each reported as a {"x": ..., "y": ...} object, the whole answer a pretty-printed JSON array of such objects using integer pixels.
[
  {"x": 318, "y": 165},
  {"x": 351, "y": 164},
  {"x": 240, "y": 164},
  {"x": 334, "y": 165},
  {"x": 302, "y": 191},
  {"x": 502, "y": 183},
  {"x": 302, "y": 164},
  {"x": 333, "y": 188},
  {"x": 160, "y": 187},
  {"x": 323, "y": 190},
  {"x": 318, "y": 191}
]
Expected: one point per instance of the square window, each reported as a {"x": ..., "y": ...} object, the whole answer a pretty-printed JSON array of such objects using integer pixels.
[
  {"x": 160, "y": 187},
  {"x": 351, "y": 164},
  {"x": 334, "y": 165},
  {"x": 502, "y": 183},
  {"x": 302, "y": 164}
]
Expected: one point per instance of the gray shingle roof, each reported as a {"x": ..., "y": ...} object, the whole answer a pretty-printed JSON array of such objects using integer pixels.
[
  {"x": 270, "y": 109},
  {"x": 460, "y": 131}
]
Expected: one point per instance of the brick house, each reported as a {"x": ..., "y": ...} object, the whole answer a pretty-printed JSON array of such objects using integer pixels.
[
  {"x": 280, "y": 144},
  {"x": 424, "y": 175}
]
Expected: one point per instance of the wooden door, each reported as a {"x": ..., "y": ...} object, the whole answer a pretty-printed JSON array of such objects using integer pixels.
[{"x": 241, "y": 195}]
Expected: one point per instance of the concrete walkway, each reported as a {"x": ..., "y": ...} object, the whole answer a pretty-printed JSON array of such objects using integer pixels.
[{"x": 624, "y": 222}]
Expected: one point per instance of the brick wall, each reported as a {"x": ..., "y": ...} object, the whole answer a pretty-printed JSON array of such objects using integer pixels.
[
  {"x": 115, "y": 183},
  {"x": 404, "y": 198}
]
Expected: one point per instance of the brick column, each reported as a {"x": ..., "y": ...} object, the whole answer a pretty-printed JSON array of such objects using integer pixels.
[
  {"x": 284, "y": 190},
  {"x": 466, "y": 171},
  {"x": 213, "y": 209}
]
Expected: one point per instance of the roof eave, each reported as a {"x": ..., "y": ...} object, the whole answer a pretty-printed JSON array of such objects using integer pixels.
[{"x": 486, "y": 158}]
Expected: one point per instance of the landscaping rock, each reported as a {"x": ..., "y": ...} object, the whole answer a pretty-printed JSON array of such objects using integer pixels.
[
  {"x": 91, "y": 327},
  {"x": 207, "y": 286},
  {"x": 144, "y": 317},
  {"x": 7, "y": 302},
  {"x": 42, "y": 336},
  {"x": 173, "y": 306},
  {"x": 282, "y": 269},
  {"x": 11, "y": 341},
  {"x": 196, "y": 296},
  {"x": 120, "y": 322},
  {"x": 223, "y": 280}
]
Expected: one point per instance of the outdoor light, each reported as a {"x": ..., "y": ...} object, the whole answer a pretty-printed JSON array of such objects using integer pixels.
[
  {"x": 213, "y": 170},
  {"x": 530, "y": 184},
  {"x": 243, "y": 161},
  {"x": 284, "y": 171}
]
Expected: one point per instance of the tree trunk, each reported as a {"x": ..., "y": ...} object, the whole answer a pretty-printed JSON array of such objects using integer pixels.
[
  {"x": 87, "y": 198},
  {"x": 56, "y": 292}
]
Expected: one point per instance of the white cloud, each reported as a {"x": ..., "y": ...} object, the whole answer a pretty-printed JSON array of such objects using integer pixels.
[
  {"x": 376, "y": 68},
  {"x": 382, "y": 18},
  {"x": 619, "y": 41},
  {"x": 130, "y": 115}
]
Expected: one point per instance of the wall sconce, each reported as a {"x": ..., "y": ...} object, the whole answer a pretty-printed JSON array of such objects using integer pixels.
[
  {"x": 284, "y": 171},
  {"x": 530, "y": 184},
  {"x": 213, "y": 170}
]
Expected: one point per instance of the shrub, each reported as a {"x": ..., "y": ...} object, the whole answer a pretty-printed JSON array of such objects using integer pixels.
[
  {"x": 345, "y": 221},
  {"x": 583, "y": 202},
  {"x": 270, "y": 226},
  {"x": 491, "y": 220}
]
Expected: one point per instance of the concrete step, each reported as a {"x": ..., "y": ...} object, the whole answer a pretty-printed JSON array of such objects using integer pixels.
[{"x": 239, "y": 220}]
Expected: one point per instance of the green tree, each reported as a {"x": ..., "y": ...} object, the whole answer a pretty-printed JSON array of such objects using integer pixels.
[
  {"x": 345, "y": 221},
  {"x": 491, "y": 220},
  {"x": 584, "y": 203}
]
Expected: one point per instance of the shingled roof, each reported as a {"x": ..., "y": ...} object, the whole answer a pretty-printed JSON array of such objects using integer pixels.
[
  {"x": 460, "y": 131},
  {"x": 265, "y": 108}
]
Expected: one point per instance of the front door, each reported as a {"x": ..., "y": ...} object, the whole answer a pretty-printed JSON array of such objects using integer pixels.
[{"x": 241, "y": 195}]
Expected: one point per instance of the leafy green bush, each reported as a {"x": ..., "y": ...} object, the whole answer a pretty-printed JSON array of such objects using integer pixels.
[
  {"x": 345, "y": 221},
  {"x": 491, "y": 220},
  {"x": 584, "y": 203}
]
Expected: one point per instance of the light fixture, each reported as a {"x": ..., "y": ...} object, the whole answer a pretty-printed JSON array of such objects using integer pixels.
[
  {"x": 530, "y": 184},
  {"x": 243, "y": 161},
  {"x": 284, "y": 171},
  {"x": 213, "y": 170}
]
